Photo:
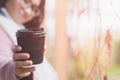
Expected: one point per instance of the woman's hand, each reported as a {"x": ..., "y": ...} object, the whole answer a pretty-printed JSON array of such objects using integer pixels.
[{"x": 20, "y": 60}]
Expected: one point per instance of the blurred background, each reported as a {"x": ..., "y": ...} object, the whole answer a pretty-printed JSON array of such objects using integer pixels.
[{"x": 83, "y": 38}]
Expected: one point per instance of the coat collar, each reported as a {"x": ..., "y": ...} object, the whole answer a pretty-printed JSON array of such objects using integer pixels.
[{"x": 9, "y": 25}]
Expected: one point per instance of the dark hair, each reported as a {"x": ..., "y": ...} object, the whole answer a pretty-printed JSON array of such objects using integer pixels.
[
  {"x": 2, "y": 2},
  {"x": 37, "y": 20}
]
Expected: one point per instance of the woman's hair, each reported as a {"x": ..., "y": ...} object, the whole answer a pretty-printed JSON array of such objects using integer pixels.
[
  {"x": 37, "y": 20},
  {"x": 2, "y": 2}
]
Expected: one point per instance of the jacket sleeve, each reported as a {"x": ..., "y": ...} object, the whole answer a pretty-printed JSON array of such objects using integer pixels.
[
  {"x": 6, "y": 69},
  {"x": 6, "y": 58}
]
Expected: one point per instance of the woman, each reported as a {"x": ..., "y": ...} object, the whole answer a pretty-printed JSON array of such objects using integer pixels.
[{"x": 14, "y": 15}]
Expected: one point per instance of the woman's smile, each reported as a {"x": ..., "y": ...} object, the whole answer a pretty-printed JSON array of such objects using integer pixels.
[{"x": 22, "y": 14}]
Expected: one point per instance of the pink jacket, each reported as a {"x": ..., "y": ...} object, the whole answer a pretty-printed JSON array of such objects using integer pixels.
[{"x": 6, "y": 56}]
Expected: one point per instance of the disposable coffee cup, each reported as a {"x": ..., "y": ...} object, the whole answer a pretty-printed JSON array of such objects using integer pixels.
[{"x": 32, "y": 41}]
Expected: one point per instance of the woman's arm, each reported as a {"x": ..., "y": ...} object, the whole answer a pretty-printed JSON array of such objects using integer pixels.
[{"x": 6, "y": 60}]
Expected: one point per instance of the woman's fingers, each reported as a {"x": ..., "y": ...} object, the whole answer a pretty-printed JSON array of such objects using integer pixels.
[
  {"x": 20, "y": 64},
  {"x": 23, "y": 66},
  {"x": 16, "y": 48},
  {"x": 21, "y": 56},
  {"x": 23, "y": 72}
]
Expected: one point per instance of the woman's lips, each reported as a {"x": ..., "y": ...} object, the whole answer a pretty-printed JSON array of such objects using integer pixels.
[{"x": 22, "y": 14}]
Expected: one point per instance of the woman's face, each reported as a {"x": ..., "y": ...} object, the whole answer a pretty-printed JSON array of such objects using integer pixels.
[{"x": 22, "y": 10}]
